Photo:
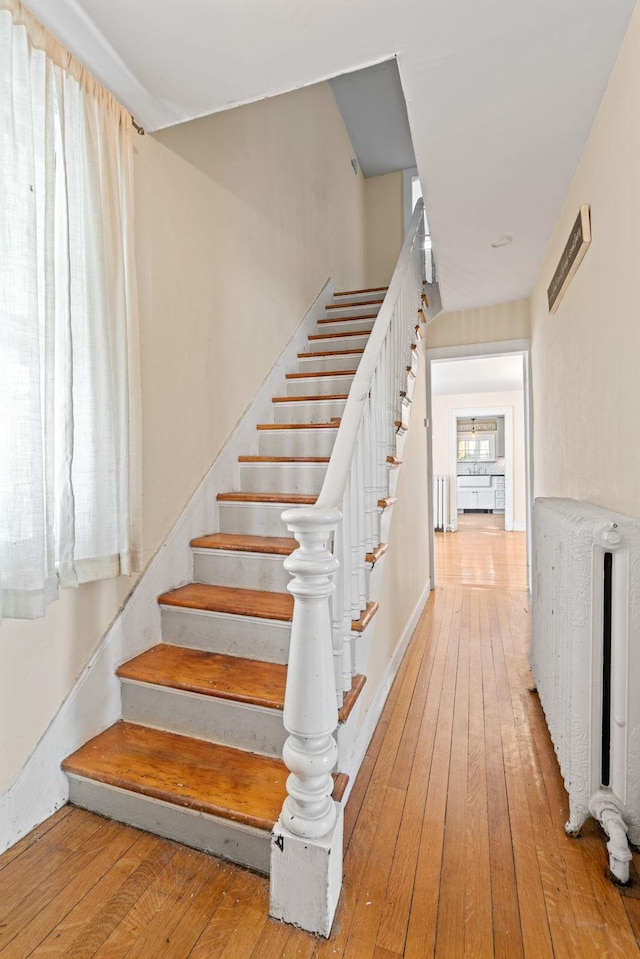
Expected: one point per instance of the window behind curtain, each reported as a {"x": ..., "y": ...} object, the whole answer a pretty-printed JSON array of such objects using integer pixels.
[{"x": 67, "y": 321}]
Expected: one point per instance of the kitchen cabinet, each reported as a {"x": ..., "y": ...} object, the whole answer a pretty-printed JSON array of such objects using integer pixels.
[{"x": 480, "y": 492}]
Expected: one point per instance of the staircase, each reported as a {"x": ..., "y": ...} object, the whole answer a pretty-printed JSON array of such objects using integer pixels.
[{"x": 197, "y": 754}]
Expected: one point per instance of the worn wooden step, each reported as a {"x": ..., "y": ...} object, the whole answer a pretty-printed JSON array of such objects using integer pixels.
[
  {"x": 251, "y": 562},
  {"x": 346, "y": 304},
  {"x": 331, "y": 425},
  {"x": 201, "y": 776},
  {"x": 359, "y": 625},
  {"x": 313, "y": 374},
  {"x": 283, "y": 459},
  {"x": 329, "y": 359},
  {"x": 316, "y": 354},
  {"x": 310, "y": 399},
  {"x": 332, "y": 320},
  {"x": 210, "y": 674},
  {"x": 351, "y": 698},
  {"x": 276, "y": 545},
  {"x": 376, "y": 553},
  {"x": 337, "y": 336},
  {"x": 230, "y": 600},
  {"x": 371, "y": 289},
  {"x": 291, "y": 499}
]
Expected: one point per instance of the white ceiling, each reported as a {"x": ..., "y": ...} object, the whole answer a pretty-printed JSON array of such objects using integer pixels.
[
  {"x": 500, "y": 95},
  {"x": 483, "y": 374}
]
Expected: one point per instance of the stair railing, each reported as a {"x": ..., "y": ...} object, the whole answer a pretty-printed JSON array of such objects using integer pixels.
[{"x": 330, "y": 572}]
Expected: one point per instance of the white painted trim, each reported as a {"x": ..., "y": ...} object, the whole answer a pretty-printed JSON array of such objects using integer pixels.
[
  {"x": 94, "y": 703},
  {"x": 370, "y": 721},
  {"x": 519, "y": 527},
  {"x": 494, "y": 348}
]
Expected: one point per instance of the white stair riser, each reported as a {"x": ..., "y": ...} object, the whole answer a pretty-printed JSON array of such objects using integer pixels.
[
  {"x": 309, "y": 411},
  {"x": 356, "y": 309},
  {"x": 245, "y": 636},
  {"x": 346, "y": 326},
  {"x": 282, "y": 477},
  {"x": 322, "y": 363},
  {"x": 246, "y": 570},
  {"x": 296, "y": 442},
  {"x": 358, "y": 297},
  {"x": 254, "y": 519},
  {"x": 338, "y": 343},
  {"x": 319, "y": 386},
  {"x": 235, "y": 841},
  {"x": 243, "y": 726}
]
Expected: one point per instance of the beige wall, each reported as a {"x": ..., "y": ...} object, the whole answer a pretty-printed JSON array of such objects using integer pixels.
[
  {"x": 240, "y": 218},
  {"x": 487, "y": 324},
  {"x": 407, "y": 564},
  {"x": 585, "y": 357},
  {"x": 442, "y": 438},
  {"x": 385, "y": 230}
]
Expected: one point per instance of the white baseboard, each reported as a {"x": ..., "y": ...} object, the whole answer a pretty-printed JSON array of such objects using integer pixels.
[
  {"x": 370, "y": 721},
  {"x": 94, "y": 703}
]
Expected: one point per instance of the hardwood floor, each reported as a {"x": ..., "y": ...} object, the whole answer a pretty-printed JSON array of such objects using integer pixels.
[{"x": 454, "y": 840}]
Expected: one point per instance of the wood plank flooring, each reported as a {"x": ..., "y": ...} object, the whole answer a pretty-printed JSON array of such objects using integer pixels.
[{"x": 454, "y": 840}]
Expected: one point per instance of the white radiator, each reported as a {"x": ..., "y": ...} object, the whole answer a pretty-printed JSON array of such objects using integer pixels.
[
  {"x": 440, "y": 502},
  {"x": 585, "y": 658}
]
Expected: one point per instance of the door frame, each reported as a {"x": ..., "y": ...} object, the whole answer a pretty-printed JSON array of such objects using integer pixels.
[{"x": 472, "y": 351}]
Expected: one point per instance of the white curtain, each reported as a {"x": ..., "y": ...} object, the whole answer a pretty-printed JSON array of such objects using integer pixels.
[{"x": 67, "y": 301}]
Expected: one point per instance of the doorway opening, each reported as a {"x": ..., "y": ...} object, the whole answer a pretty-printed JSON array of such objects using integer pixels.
[{"x": 479, "y": 458}]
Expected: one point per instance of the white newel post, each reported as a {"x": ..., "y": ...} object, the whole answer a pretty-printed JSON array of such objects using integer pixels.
[{"x": 306, "y": 843}]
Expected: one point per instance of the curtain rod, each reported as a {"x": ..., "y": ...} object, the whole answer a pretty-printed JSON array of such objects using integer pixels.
[{"x": 137, "y": 126}]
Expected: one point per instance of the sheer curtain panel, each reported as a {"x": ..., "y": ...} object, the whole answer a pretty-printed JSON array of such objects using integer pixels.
[{"x": 67, "y": 315}]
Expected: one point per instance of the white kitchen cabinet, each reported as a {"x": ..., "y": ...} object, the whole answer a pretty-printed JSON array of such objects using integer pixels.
[
  {"x": 478, "y": 496},
  {"x": 481, "y": 492},
  {"x": 485, "y": 498},
  {"x": 467, "y": 498}
]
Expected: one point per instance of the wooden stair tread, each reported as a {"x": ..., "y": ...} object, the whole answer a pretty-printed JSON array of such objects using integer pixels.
[
  {"x": 210, "y": 674},
  {"x": 386, "y": 502},
  {"x": 371, "y": 289},
  {"x": 359, "y": 625},
  {"x": 198, "y": 775},
  {"x": 297, "y": 499},
  {"x": 331, "y": 425},
  {"x": 346, "y": 306},
  {"x": 350, "y": 698},
  {"x": 347, "y": 319},
  {"x": 311, "y": 375},
  {"x": 338, "y": 336},
  {"x": 307, "y": 399},
  {"x": 377, "y": 553},
  {"x": 243, "y": 543},
  {"x": 283, "y": 459},
  {"x": 232, "y": 600},
  {"x": 304, "y": 356}
]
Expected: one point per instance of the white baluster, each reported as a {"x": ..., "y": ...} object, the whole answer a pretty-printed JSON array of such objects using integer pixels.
[
  {"x": 337, "y": 613},
  {"x": 306, "y": 848},
  {"x": 310, "y": 712}
]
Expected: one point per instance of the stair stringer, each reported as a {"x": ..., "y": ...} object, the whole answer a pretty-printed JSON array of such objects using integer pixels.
[
  {"x": 354, "y": 735},
  {"x": 95, "y": 702}
]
